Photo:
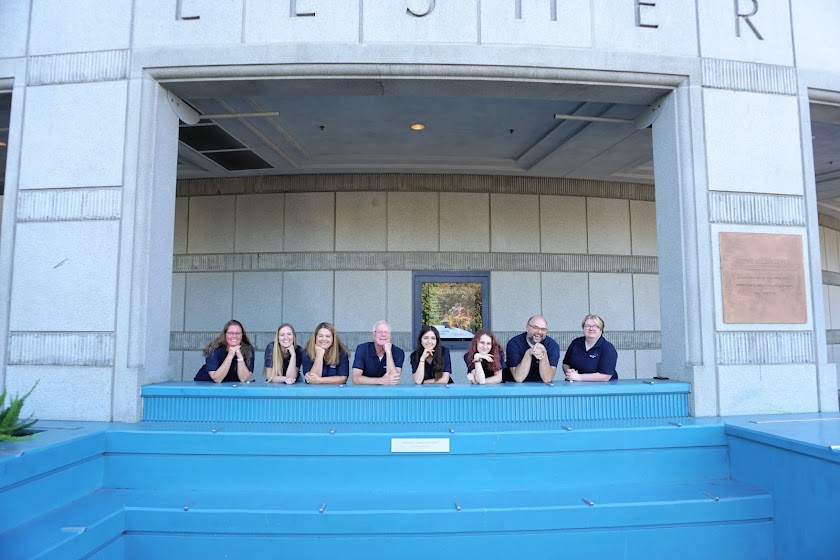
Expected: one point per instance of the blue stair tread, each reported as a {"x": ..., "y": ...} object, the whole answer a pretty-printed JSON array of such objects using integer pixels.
[
  {"x": 99, "y": 515},
  {"x": 297, "y": 439}
]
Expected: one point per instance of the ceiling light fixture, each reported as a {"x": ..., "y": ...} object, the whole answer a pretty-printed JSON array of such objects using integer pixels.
[{"x": 418, "y": 126}]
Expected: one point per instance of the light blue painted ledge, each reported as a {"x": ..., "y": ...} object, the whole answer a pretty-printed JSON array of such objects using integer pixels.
[{"x": 263, "y": 403}]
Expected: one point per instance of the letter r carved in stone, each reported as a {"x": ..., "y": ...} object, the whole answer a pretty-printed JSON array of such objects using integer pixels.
[{"x": 746, "y": 17}]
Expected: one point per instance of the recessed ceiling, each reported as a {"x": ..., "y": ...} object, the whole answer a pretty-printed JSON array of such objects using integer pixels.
[{"x": 364, "y": 126}]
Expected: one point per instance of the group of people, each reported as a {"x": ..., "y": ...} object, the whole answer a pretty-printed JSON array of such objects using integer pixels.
[{"x": 532, "y": 356}]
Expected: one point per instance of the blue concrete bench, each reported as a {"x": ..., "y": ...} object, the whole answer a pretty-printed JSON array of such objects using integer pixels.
[{"x": 509, "y": 402}]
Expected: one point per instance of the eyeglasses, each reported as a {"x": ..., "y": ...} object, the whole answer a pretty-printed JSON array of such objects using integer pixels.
[
  {"x": 381, "y": 332},
  {"x": 591, "y": 327},
  {"x": 539, "y": 329},
  {"x": 234, "y": 333}
]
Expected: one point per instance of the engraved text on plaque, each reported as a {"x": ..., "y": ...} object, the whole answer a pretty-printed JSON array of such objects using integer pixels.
[{"x": 762, "y": 278}]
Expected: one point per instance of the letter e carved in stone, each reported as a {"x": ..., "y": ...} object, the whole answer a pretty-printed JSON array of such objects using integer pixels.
[{"x": 639, "y": 22}]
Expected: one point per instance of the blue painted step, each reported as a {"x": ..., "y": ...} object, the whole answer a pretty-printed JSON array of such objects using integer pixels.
[{"x": 678, "y": 513}]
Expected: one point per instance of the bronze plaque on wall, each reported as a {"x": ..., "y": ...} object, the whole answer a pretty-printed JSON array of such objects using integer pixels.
[{"x": 763, "y": 278}]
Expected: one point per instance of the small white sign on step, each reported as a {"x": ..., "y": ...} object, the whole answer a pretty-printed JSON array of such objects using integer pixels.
[{"x": 419, "y": 445}]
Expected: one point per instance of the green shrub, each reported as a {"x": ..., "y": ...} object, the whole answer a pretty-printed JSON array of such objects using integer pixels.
[{"x": 12, "y": 428}]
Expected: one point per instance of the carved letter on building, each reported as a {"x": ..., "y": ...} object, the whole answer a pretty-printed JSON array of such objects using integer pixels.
[
  {"x": 746, "y": 17},
  {"x": 181, "y": 15},
  {"x": 553, "y": 10},
  {"x": 293, "y": 10},
  {"x": 429, "y": 9},
  {"x": 762, "y": 278},
  {"x": 639, "y": 22}
]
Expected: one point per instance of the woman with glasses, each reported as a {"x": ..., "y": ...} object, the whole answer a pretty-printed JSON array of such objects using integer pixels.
[
  {"x": 485, "y": 359},
  {"x": 283, "y": 356},
  {"x": 590, "y": 357},
  {"x": 430, "y": 362},
  {"x": 229, "y": 357},
  {"x": 326, "y": 359}
]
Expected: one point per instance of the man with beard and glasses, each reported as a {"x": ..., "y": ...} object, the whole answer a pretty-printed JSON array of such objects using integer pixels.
[{"x": 532, "y": 356}]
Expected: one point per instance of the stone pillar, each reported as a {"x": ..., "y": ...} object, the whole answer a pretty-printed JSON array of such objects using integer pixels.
[
  {"x": 88, "y": 219},
  {"x": 729, "y": 148}
]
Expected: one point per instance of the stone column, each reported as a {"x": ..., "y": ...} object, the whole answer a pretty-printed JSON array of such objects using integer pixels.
[
  {"x": 730, "y": 147},
  {"x": 89, "y": 209}
]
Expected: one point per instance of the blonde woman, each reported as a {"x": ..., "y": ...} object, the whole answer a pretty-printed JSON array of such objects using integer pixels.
[
  {"x": 326, "y": 359},
  {"x": 283, "y": 356},
  {"x": 591, "y": 357}
]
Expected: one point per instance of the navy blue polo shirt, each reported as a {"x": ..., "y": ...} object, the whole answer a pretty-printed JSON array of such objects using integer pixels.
[
  {"x": 516, "y": 348},
  {"x": 215, "y": 359},
  {"x": 471, "y": 366},
  {"x": 601, "y": 358},
  {"x": 428, "y": 372},
  {"x": 269, "y": 358},
  {"x": 371, "y": 364},
  {"x": 341, "y": 369}
]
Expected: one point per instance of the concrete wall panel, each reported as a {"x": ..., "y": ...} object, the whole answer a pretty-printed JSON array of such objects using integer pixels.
[
  {"x": 209, "y": 301},
  {"x": 182, "y": 213},
  {"x": 259, "y": 223},
  {"x": 766, "y": 389},
  {"x": 626, "y": 364},
  {"x": 515, "y": 296},
  {"x": 65, "y": 276},
  {"x": 179, "y": 294},
  {"x": 14, "y": 24},
  {"x": 271, "y": 21},
  {"x": 413, "y": 222},
  {"x": 611, "y": 297},
  {"x": 646, "y": 302},
  {"x": 815, "y": 34},
  {"x": 310, "y": 222},
  {"x": 307, "y": 300},
  {"x": 571, "y": 25},
  {"x": 399, "y": 300},
  {"x": 258, "y": 299},
  {"x": 646, "y": 361},
  {"x": 361, "y": 221},
  {"x": 82, "y": 25},
  {"x": 464, "y": 222},
  {"x": 768, "y": 127},
  {"x": 67, "y": 120},
  {"x": 516, "y": 223},
  {"x": 627, "y": 27},
  {"x": 360, "y": 299},
  {"x": 212, "y": 224},
  {"x": 565, "y": 299},
  {"x": 643, "y": 227},
  {"x": 719, "y": 35},
  {"x": 608, "y": 226},
  {"x": 448, "y": 22},
  {"x": 50, "y": 400},
  {"x": 563, "y": 224},
  {"x": 156, "y": 22},
  {"x": 832, "y": 251}
]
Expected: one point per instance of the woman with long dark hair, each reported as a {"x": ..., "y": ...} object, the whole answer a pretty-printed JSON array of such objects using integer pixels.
[
  {"x": 430, "y": 360},
  {"x": 229, "y": 356},
  {"x": 485, "y": 359},
  {"x": 326, "y": 359},
  {"x": 283, "y": 356}
]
